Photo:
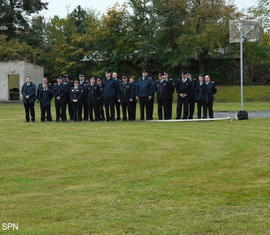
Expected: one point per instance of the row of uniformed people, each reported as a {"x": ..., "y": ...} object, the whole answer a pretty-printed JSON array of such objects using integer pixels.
[{"x": 89, "y": 97}]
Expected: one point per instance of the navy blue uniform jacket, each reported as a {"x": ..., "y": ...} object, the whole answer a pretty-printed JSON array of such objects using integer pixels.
[{"x": 29, "y": 90}]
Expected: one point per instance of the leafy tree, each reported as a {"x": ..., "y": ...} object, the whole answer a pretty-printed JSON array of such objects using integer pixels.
[{"x": 14, "y": 15}]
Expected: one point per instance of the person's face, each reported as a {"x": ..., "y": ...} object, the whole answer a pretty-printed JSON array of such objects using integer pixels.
[
  {"x": 45, "y": 80},
  {"x": 166, "y": 76},
  {"x": 188, "y": 76},
  {"x": 28, "y": 80},
  {"x": 99, "y": 82},
  {"x": 76, "y": 84},
  {"x": 92, "y": 80},
  {"x": 108, "y": 75},
  {"x": 124, "y": 80},
  {"x": 45, "y": 85},
  {"x": 144, "y": 74},
  {"x": 201, "y": 79},
  {"x": 59, "y": 80},
  {"x": 131, "y": 80},
  {"x": 207, "y": 78},
  {"x": 81, "y": 78},
  {"x": 114, "y": 75}
]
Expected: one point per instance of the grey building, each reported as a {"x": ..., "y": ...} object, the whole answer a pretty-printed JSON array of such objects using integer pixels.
[{"x": 12, "y": 77}]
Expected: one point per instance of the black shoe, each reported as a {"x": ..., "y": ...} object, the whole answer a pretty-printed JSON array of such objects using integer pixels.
[
  {"x": 112, "y": 119},
  {"x": 108, "y": 120},
  {"x": 27, "y": 120},
  {"x": 33, "y": 120},
  {"x": 118, "y": 118}
]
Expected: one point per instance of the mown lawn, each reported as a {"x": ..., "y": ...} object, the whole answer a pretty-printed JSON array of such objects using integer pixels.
[{"x": 134, "y": 178}]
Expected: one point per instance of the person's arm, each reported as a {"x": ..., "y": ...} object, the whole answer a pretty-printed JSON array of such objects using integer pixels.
[
  {"x": 119, "y": 93},
  {"x": 137, "y": 89},
  {"x": 214, "y": 88},
  {"x": 23, "y": 91}
]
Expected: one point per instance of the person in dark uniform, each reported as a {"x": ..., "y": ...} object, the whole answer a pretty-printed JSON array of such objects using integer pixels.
[
  {"x": 92, "y": 92},
  {"x": 76, "y": 99},
  {"x": 40, "y": 88},
  {"x": 110, "y": 87},
  {"x": 68, "y": 85},
  {"x": 201, "y": 97},
  {"x": 211, "y": 90},
  {"x": 44, "y": 95},
  {"x": 182, "y": 90},
  {"x": 125, "y": 97},
  {"x": 144, "y": 89},
  {"x": 191, "y": 97},
  {"x": 171, "y": 83},
  {"x": 101, "y": 114},
  {"x": 151, "y": 102},
  {"x": 117, "y": 104},
  {"x": 59, "y": 93},
  {"x": 28, "y": 92},
  {"x": 133, "y": 103},
  {"x": 83, "y": 106},
  {"x": 163, "y": 90}
]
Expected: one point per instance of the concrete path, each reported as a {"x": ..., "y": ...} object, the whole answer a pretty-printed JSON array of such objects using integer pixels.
[{"x": 251, "y": 114}]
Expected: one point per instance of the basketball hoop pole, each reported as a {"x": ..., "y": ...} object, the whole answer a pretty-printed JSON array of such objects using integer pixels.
[{"x": 242, "y": 71}]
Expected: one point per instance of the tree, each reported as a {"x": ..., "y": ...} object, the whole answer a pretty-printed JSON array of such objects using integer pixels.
[{"x": 14, "y": 15}]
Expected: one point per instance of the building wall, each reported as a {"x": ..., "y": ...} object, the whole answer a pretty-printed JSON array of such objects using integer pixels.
[{"x": 23, "y": 69}]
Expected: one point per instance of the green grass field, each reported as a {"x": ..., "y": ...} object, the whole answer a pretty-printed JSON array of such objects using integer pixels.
[{"x": 134, "y": 178}]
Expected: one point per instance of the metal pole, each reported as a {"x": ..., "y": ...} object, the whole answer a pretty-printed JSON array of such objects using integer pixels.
[{"x": 242, "y": 71}]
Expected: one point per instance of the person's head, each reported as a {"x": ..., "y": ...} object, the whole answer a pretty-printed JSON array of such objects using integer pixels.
[
  {"x": 45, "y": 85},
  {"x": 124, "y": 79},
  {"x": 59, "y": 80},
  {"x": 132, "y": 79},
  {"x": 108, "y": 74},
  {"x": 201, "y": 79},
  {"x": 99, "y": 82},
  {"x": 65, "y": 78},
  {"x": 114, "y": 75},
  {"x": 188, "y": 75},
  {"x": 184, "y": 75},
  {"x": 92, "y": 80},
  {"x": 144, "y": 73},
  {"x": 81, "y": 77},
  {"x": 28, "y": 79},
  {"x": 166, "y": 75},
  {"x": 76, "y": 83},
  {"x": 44, "y": 80},
  {"x": 207, "y": 78},
  {"x": 160, "y": 76}
]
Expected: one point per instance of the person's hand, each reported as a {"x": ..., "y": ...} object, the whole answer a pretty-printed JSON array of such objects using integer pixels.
[
  {"x": 149, "y": 97},
  {"x": 119, "y": 101},
  {"x": 27, "y": 97},
  {"x": 58, "y": 98},
  {"x": 130, "y": 100},
  {"x": 137, "y": 97}
]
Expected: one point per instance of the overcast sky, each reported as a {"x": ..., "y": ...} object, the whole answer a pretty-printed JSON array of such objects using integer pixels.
[{"x": 61, "y": 7}]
